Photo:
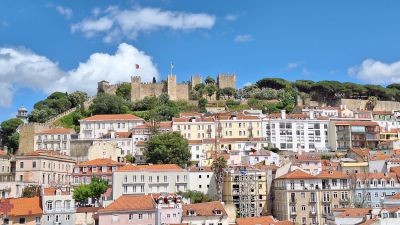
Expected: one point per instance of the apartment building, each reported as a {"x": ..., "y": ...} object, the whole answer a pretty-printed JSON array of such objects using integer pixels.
[
  {"x": 310, "y": 163},
  {"x": 297, "y": 132},
  {"x": 246, "y": 189},
  {"x": 46, "y": 168},
  {"x": 353, "y": 134},
  {"x": 169, "y": 208},
  {"x": 385, "y": 119},
  {"x": 204, "y": 213},
  {"x": 307, "y": 199},
  {"x": 58, "y": 206},
  {"x": 7, "y": 175},
  {"x": 54, "y": 140},
  {"x": 146, "y": 179},
  {"x": 202, "y": 179},
  {"x": 27, "y": 211},
  {"x": 99, "y": 126},
  {"x": 195, "y": 128},
  {"x": 103, "y": 168}
]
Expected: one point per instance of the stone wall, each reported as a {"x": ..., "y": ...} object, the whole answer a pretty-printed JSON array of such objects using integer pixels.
[
  {"x": 27, "y": 136},
  {"x": 224, "y": 81},
  {"x": 182, "y": 91},
  {"x": 196, "y": 79},
  {"x": 80, "y": 148},
  {"x": 360, "y": 104},
  {"x": 171, "y": 87}
]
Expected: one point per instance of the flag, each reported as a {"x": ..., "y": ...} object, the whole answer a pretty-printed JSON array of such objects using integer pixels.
[
  {"x": 172, "y": 65},
  {"x": 137, "y": 66}
]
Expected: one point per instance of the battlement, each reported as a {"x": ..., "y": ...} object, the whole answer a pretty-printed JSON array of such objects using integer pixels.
[{"x": 226, "y": 80}]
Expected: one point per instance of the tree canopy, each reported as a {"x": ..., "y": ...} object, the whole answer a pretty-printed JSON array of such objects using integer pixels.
[
  {"x": 108, "y": 104},
  {"x": 195, "y": 196},
  {"x": 94, "y": 190},
  {"x": 124, "y": 91},
  {"x": 168, "y": 148},
  {"x": 8, "y": 132}
]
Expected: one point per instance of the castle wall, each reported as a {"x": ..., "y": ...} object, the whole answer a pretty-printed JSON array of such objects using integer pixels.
[
  {"x": 150, "y": 89},
  {"x": 135, "y": 88},
  {"x": 196, "y": 80},
  {"x": 225, "y": 81},
  {"x": 171, "y": 87},
  {"x": 357, "y": 104},
  {"x": 27, "y": 136},
  {"x": 182, "y": 91}
]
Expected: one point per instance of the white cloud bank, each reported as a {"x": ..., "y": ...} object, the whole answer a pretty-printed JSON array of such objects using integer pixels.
[
  {"x": 64, "y": 11},
  {"x": 377, "y": 72},
  {"x": 20, "y": 67},
  {"x": 244, "y": 38},
  {"x": 115, "y": 23}
]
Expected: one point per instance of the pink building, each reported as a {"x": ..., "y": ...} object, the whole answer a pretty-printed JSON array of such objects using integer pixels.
[
  {"x": 102, "y": 168},
  {"x": 130, "y": 209},
  {"x": 169, "y": 208}
]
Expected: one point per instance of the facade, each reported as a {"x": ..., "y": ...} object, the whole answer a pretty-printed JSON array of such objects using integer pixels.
[
  {"x": 308, "y": 199},
  {"x": 297, "y": 132},
  {"x": 54, "y": 140},
  {"x": 386, "y": 120},
  {"x": 58, "y": 206},
  {"x": 246, "y": 189},
  {"x": 102, "y": 168},
  {"x": 134, "y": 179},
  {"x": 261, "y": 155},
  {"x": 130, "y": 209},
  {"x": 45, "y": 168},
  {"x": 26, "y": 211},
  {"x": 310, "y": 163},
  {"x": 101, "y": 126},
  {"x": 202, "y": 179},
  {"x": 204, "y": 213},
  {"x": 169, "y": 208},
  {"x": 7, "y": 175}
]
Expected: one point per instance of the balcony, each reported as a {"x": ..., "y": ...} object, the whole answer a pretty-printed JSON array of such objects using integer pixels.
[
  {"x": 344, "y": 201},
  {"x": 292, "y": 202},
  {"x": 293, "y": 213},
  {"x": 313, "y": 213},
  {"x": 313, "y": 200}
]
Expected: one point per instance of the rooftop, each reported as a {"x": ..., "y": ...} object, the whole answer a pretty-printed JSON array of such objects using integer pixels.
[
  {"x": 100, "y": 162},
  {"x": 130, "y": 203},
  {"x": 203, "y": 209},
  {"x": 156, "y": 167},
  {"x": 112, "y": 117},
  {"x": 22, "y": 206}
]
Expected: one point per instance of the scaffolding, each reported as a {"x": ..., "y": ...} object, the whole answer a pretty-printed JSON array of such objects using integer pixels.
[{"x": 248, "y": 191}]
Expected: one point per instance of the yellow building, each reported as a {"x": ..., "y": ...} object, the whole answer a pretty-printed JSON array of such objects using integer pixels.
[
  {"x": 246, "y": 189},
  {"x": 307, "y": 199}
]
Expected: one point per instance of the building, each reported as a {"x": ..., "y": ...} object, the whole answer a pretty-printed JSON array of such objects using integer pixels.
[
  {"x": 261, "y": 155},
  {"x": 16, "y": 211},
  {"x": 353, "y": 134},
  {"x": 130, "y": 209},
  {"x": 134, "y": 179},
  {"x": 175, "y": 90},
  {"x": 23, "y": 114},
  {"x": 7, "y": 175},
  {"x": 86, "y": 215},
  {"x": 101, "y": 126},
  {"x": 169, "y": 208},
  {"x": 385, "y": 119},
  {"x": 102, "y": 168},
  {"x": 54, "y": 140},
  {"x": 47, "y": 168},
  {"x": 307, "y": 199},
  {"x": 205, "y": 213},
  {"x": 202, "y": 179},
  {"x": 310, "y": 163},
  {"x": 246, "y": 189},
  {"x": 58, "y": 206},
  {"x": 262, "y": 220},
  {"x": 296, "y": 132}
]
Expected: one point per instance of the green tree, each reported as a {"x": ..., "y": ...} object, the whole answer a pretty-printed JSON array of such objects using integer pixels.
[
  {"x": 195, "y": 196},
  {"x": 124, "y": 91},
  {"x": 326, "y": 91},
  {"x": 218, "y": 167},
  {"x": 31, "y": 191},
  {"x": 130, "y": 158},
  {"x": 8, "y": 133},
  {"x": 42, "y": 115},
  {"x": 303, "y": 85},
  {"x": 202, "y": 105},
  {"x": 168, "y": 148},
  {"x": 210, "y": 90},
  {"x": 371, "y": 103},
  {"x": 209, "y": 80},
  {"x": 274, "y": 83},
  {"x": 108, "y": 104},
  {"x": 78, "y": 99},
  {"x": 81, "y": 193},
  {"x": 97, "y": 187},
  {"x": 394, "y": 86},
  {"x": 228, "y": 91}
]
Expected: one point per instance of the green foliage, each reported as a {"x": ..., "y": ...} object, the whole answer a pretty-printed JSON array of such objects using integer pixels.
[
  {"x": 227, "y": 92},
  {"x": 168, "y": 148},
  {"x": 210, "y": 90},
  {"x": 209, "y": 80},
  {"x": 195, "y": 196},
  {"x": 71, "y": 120},
  {"x": 97, "y": 187},
  {"x": 77, "y": 99},
  {"x": 232, "y": 102},
  {"x": 8, "y": 133},
  {"x": 394, "y": 86},
  {"x": 108, "y": 104},
  {"x": 202, "y": 105},
  {"x": 124, "y": 91},
  {"x": 303, "y": 85},
  {"x": 42, "y": 115},
  {"x": 274, "y": 83},
  {"x": 130, "y": 158},
  {"x": 326, "y": 91},
  {"x": 81, "y": 193},
  {"x": 31, "y": 191},
  {"x": 371, "y": 103}
]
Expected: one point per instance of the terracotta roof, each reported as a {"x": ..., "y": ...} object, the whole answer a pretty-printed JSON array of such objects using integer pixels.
[
  {"x": 357, "y": 123},
  {"x": 288, "y": 116},
  {"x": 147, "y": 125},
  {"x": 309, "y": 157},
  {"x": 23, "y": 206},
  {"x": 155, "y": 167},
  {"x": 47, "y": 153},
  {"x": 87, "y": 209},
  {"x": 197, "y": 119},
  {"x": 297, "y": 174},
  {"x": 361, "y": 152},
  {"x": 131, "y": 203},
  {"x": 332, "y": 174},
  {"x": 124, "y": 134},
  {"x": 382, "y": 113},
  {"x": 263, "y": 220},
  {"x": 200, "y": 169},
  {"x": 378, "y": 176},
  {"x": 203, "y": 209},
  {"x": 353, "y": 212},
  {"x": 57, "y": 131},
  {"x": 100, "y": 162},
  {"x": 112, "y": 117},
  {"x": 379, "y": 156},
  {"x": 193, "y": 142},
  {"x": 52, "y": 192}
]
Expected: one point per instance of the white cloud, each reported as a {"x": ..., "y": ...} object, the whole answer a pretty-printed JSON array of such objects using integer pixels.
[
  {"x": 305, "y": 71},
  {"x": 115, "y": 23},
  {"x": 293, "y": 65},
  {"x": 243, "y": 38},
  {"x": 247, "y": 84},
  {"x": 21, "y": 67},
  {"x": 377, "y": 72},
  {"x": 64, "y": 11},
  {"x": 231, "y": 17}
]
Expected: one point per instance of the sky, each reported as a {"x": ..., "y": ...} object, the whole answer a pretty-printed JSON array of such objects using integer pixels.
[{"x": 48, "y": 46}]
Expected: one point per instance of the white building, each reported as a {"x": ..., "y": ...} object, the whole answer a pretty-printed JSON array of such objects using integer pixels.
[
  {"x": 258, "y": 156},
  {"x": 202, "y": 179},
  {"x": 54, "y": 140},
  {"x": 297, "y": 132},
  {"x": 204, "y": 213},
  {"x": 99, "y": 126}
]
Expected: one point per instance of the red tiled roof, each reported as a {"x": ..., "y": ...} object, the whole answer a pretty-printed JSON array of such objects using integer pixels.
[
  {"x": 357, "y": 123},
  {"x": 297, "y": 174},
  {"x": 131, "y": 203},
  {"x": 382, "y": 113},
  {"x": 353, "y": 212},
  {"x": 263, "y": 220},
  {"x": 200, "y": 169},
  {"x": 309, "y": 157},
  {"x": 112, "y": 117},
  {"x": 124, "y": 134},
  {"x": 156, "y": 167},
  {"x": 100, "y": 162},
  {"x": 203, "y": 209},
  {"x": 87, "y": 209},
  {"x": 147, "y": 125},
  {"x": 332, "y": 174},
  {"x": 57, "y": 131},
  {"x": 52, "y": 192},
  {"x": 378, "y": 176},
  {"x": 23, "y": 206}
]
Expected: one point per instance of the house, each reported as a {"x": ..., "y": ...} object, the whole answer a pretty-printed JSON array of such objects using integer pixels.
[
  {"x": 169, "y": 208},
  {"x": 262, "y": 220},
  {"x": 54, "y": 140},
  {"x": 27, "y": 211},
  {"x": 130, "y": 209},
  {"x": 86, "y": 215},
  {"x": 205, "y": 213},
  {"x": 58, "y": 206},
  {"x": 202, "y": 179}
]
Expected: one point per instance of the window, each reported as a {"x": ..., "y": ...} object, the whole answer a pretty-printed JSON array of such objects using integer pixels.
[
  {"x": 37, "y": 220},
  {"x": 94, "y": 169},
  {"x": 115, "y": 218},
  {"x": 33, "y": 164},
  {"x": 140, "y": 216},
  {"x": 67, "y": 204},
  {"x": 21, "y": 165},
  {"x": 22, "y": 220},
  {"x": 130, "y": 216},
  {"x": 67, "y": 217},
  {"x": 49, "y": 205}
]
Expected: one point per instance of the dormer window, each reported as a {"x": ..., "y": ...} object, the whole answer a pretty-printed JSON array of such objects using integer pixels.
[
  {"x": 94, "y": 169},
  {"x": 218, "y": 212},
  {"x": 84, "y": 169},
  {"x": 191, "y": 212}
]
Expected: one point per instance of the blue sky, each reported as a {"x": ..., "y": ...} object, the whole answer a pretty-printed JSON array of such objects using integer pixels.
[{"x": 47, "y": 46}]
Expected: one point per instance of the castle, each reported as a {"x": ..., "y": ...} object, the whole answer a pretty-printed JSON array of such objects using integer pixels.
[{"x": 176, "y": 91}]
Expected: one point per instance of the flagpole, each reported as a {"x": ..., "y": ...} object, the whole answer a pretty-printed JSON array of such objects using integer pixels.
[{"x": 171, "y": 68}]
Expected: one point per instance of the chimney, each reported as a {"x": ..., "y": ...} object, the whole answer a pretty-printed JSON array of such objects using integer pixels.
[
  {"x": 311, "y": 114},
  {"x": 283, "y": 114}
]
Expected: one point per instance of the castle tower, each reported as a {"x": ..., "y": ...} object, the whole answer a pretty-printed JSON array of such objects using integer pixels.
[
  {"x": 226, "y": 80},
  {"x": 171, "y": 86},
  {"x": 23, "y": 114},
  {"x": 196, "y": 79},
  {"x": 135, "y": 88},
  {"x": 102, "y": 86}
]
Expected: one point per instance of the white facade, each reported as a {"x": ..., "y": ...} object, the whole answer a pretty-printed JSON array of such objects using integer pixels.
[
  {"x": 202, "y": 179},
  {"x": 54, "y": 140}
]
